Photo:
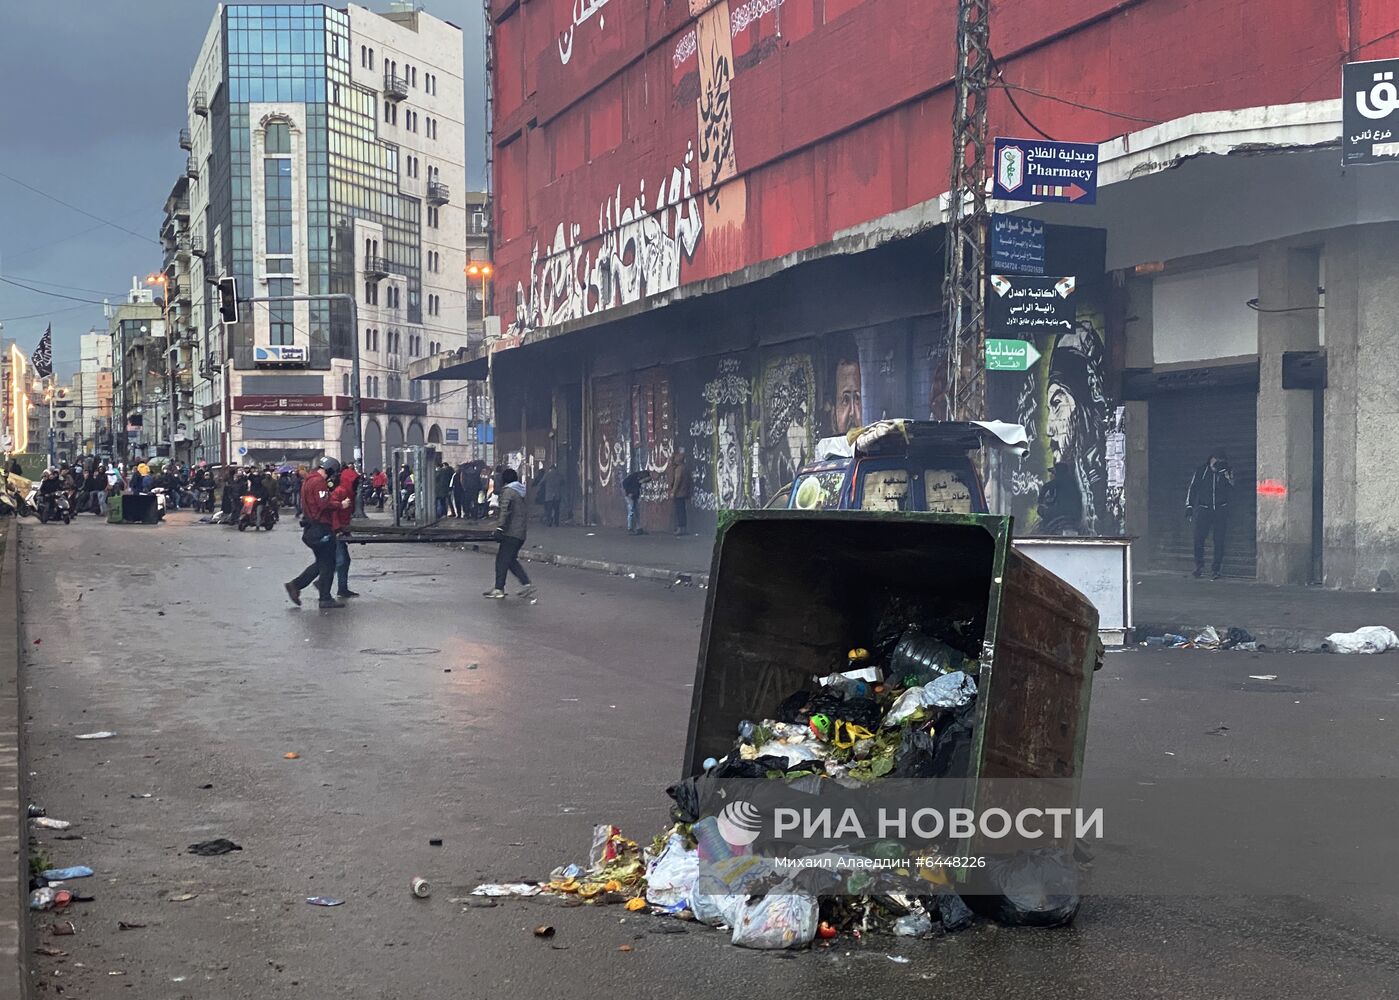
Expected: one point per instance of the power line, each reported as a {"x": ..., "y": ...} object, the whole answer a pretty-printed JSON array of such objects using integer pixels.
[
  {"x": 39, "y": 315},
  {"x": 81, "y": 211},
  {"x": 56, "y": 295},
  {"x": 76, "y": 288}
]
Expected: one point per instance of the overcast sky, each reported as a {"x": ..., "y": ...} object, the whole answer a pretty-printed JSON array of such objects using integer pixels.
[{"x": 95, "y": 103}]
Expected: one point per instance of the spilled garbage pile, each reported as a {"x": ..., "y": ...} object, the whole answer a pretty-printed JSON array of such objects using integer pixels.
[{"x": 905, "y": 706}]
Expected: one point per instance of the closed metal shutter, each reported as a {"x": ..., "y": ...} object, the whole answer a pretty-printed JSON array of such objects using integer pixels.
[{"x": 1185, "y": 427}]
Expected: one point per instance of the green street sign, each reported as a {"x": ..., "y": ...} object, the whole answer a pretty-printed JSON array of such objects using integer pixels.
[{"x": 1010, "y": 355}]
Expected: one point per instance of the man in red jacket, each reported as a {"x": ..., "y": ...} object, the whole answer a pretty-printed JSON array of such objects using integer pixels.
[
  {"x": 342, "y": 501},
  {"x": 318, "y": 534}
]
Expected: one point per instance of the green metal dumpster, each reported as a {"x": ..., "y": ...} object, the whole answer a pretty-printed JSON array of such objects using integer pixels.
[{"x": 791, "y": 591}]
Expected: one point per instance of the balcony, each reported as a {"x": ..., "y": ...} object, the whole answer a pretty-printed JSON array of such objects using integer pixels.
[
  {"x": 181, "y": 292},
  {"x": 201, "y": 104},
  {"x": 438, "y": 193},
  {"x": 196, "y": 246},
  {"x": 395, "y": 87},
  {"x": 192, "y": 168},
  {"x": 376, "y": 268},
  {"x": 186, "y": 141}
]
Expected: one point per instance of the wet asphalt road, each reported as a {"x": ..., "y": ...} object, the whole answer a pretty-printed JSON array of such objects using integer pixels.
[{"x": 180, "y": 639}]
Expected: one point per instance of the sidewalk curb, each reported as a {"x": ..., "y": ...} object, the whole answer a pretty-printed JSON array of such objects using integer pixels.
[
  {"x": 1270, "y": 637},
  {"x": 14, "y": 826},
  {"x": 658, "y": 573}
]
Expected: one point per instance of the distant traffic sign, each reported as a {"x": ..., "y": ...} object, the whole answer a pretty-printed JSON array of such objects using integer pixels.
[
  {"x": 1040, "y": 170},
  {"x": 1010, "y": 355}
]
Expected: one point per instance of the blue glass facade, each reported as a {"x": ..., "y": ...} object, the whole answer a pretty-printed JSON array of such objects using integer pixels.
[{"x": 283, "y": 53}]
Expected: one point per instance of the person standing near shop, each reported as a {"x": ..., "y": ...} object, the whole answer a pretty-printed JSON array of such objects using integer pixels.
[
  {"x": 1207, "y": 505},
  {"x": 318, "y": 534},
  {"x": 679, "y": 481},
  {"x": 551, "y": 494},
  {"x": 631, "y": 489},
  {"x": 511, "y": 532}
]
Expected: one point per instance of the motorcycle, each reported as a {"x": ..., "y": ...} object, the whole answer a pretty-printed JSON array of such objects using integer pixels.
[
  {"x": 204, "y": 499},
  {"x": 256, "y": 514},
  {"x": 53, "y": 506}
]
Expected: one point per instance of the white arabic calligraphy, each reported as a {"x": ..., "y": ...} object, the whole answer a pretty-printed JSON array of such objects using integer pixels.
[
  {"x": 1381, "y": 100},
  {"x": 582, "y": 11}
]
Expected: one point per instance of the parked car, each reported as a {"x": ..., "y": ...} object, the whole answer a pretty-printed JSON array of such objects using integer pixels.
[{"x": 900, "y": 465}]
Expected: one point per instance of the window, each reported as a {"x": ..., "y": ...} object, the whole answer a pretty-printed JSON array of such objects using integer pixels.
[
  {"x": 280, "y": 329},
  {"x": 277, "y": 203},
  {"x": 371, "y": 58},
  {"x": 371, "y": 293},
  {"x": 278, "y": 138},
  {"x": 433, "y": 217},
  {"x": 390, "y": 113},
  {"x": 413, "y": 75},
  {"x": 278, "y": 265},
  {"x": 345, "y": 384},
  {"x": 364, "y": 55}
]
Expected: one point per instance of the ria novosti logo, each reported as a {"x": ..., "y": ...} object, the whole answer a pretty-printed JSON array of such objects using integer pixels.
[{"x": 740, "y": 823}]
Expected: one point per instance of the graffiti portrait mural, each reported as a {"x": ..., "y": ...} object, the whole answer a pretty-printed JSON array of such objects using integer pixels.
[
  {"x": 719, "y": 438},
  {"x": 789, "y": 420},
  {"x": 1060, "y": 487},
  {"x": 844, "y": 386}
]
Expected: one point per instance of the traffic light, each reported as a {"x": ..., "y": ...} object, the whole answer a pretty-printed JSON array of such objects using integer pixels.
[{"x": 228, "y": 299}]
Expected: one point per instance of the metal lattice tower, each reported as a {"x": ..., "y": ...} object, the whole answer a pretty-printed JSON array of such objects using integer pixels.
[{"x": 967, "y": 218}]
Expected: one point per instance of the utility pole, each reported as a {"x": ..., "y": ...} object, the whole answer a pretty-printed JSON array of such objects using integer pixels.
[{"x": 965, "y": 282}]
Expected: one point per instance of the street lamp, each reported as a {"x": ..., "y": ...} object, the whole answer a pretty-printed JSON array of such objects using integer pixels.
[{"x": 482, "y": 269}]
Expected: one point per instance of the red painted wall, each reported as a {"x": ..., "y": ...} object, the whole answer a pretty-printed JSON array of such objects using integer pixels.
[{"x": 627, "y": 162}]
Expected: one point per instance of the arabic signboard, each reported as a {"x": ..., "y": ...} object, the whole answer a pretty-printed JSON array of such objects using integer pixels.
[
  {"x": 1010, "y": 355},
  {"x": 1017, "y": 245},
  {"x": 1024, "y": 307},
  {"x": 1040, "y": 170},
  {"x": 273, "y": 403},
  {"x": 1370, "y": 111}
]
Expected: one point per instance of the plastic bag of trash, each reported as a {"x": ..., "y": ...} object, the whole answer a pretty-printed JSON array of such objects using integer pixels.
[
  {"x": 1208, "y": 638},
  {"x": 780, "y": 919},
  {"x": 671, "y": 876},
  {"x": 721, "y": 889},
  {"x": 947, "y": 691},
  {"x": 956, "y": 915},
  {"x": 1370, "y": 639},
  {"x": 1035, "y": 889}
]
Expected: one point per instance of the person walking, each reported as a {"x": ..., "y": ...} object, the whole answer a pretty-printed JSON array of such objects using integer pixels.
[
  {"x": 342, "y": 502},
  {"x": 462, "y": 495},
  {"x": 318, "y": 534},
  {"x": 1207, "y": 505},
  {"x": 631, "y": 488},
  {"x": 551, "y": 494},
  {"x": 511, "y": 531},
  {"x": 679, "y": 472},
  {"x": 379, "y": 481}
]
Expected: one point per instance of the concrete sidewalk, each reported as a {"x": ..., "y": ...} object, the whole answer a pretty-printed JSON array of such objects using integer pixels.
[{"x": 1280, "y": 617}]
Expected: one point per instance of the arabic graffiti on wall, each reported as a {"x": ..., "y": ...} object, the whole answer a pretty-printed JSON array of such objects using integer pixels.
[
  {"x": 637, "y": 251},
  {"x": 788, "y": 405},
  {"x": 583, "y": 11}
]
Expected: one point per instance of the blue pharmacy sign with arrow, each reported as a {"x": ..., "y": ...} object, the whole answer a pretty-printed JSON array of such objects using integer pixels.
[{"x": 1040, "y": 170}]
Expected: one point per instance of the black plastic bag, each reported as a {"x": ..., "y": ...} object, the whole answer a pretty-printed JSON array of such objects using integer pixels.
[
  {"x": 954, "y": 914},
  {"x": 916, "y": 756},
  {"x": 1036, "y": 889}
]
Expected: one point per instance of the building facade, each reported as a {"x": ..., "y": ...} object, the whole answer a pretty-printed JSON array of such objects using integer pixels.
[
  {"x": 93, "y": 388},
  {"x": 176, "y": 365},
  {"x": 329, "y": 152},
  {"x": 137, "y": 332},
  {"x": 718, "y": 226}
]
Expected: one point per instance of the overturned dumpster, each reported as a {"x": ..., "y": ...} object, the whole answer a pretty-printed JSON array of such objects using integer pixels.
[{"x": 872, "y": 689}]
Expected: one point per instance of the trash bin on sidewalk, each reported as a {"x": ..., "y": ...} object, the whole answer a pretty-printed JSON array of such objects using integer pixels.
[
  {"x": 139, "y": 508},
  {"x": 791, "y": 591}
]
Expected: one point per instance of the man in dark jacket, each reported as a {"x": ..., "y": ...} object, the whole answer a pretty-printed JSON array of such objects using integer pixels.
[
  {"x": 678, "y": 473},
  {"x": 511, "y": 531},
  {"x": 551, "y": 495},
  {"x": 318, "y": 533},
  {"x": 442, "y": 487},
  {"x": 1207, "y": 504},
  {"x": 631, "y": 489}
]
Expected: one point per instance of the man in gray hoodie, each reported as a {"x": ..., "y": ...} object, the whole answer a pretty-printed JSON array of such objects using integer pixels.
[{"x": 511, "y": 531}]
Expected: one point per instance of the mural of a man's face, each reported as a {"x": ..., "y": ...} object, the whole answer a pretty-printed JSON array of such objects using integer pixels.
[
  {"x": 728, "y": 467},
  {"x": 1060, "y": 421},
  {"x": 848, "y": 407}
]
